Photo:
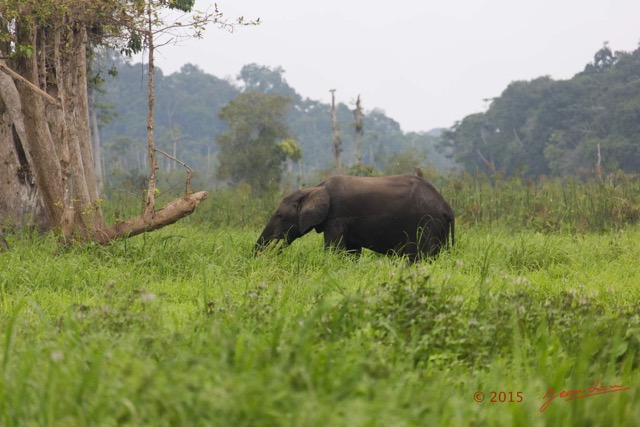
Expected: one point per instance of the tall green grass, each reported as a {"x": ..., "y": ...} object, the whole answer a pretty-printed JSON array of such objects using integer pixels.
[
  {"x": 185, "y": 327},
  {"x": 549, "y": 205}
]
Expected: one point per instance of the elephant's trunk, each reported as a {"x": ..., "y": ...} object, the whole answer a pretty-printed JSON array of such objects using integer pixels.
[
  {"x": 265, "y": 241},
  {"x": 273, "y": 237},
  {"x": 260, "y": 245}
]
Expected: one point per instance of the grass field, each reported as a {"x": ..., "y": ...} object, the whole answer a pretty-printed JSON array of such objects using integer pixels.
[{"x": 184, "y": 327}]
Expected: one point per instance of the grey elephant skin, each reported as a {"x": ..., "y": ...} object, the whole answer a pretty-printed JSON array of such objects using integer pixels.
[{"x": 401, "y": 214}]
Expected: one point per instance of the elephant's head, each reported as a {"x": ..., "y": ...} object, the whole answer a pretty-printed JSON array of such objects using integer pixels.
[{"x": 297, "y": 214}]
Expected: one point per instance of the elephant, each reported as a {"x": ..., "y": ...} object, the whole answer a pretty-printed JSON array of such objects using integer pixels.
[{"x": 401, "y": 214}]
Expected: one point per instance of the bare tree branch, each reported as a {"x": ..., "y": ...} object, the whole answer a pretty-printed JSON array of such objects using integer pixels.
[{"x": 171, "y": 213}]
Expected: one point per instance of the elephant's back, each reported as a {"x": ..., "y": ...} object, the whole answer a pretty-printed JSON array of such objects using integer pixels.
[
  {"x": 393, "y": 196},
  {"x": 350, "y": 185}
]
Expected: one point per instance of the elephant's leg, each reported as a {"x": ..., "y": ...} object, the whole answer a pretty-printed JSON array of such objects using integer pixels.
[
  {"x": 339, "y": 244},
  {"x": 411, "y": 251},
  {"x": 334, "y": 241},
  {"x": 334, "y": 235}
]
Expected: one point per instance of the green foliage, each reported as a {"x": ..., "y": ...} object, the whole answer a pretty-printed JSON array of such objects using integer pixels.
[
  {"x": 134, "y": 43},
  {"x": 250, "y": 149},
  {"x": 548, "y": 206},
  {"x": 182, "y": 5},
  {"x": 263, "y": 79},
  {"x": 543, "y": 126},
  {"x": 291, "y": 149},
  {"x": 438, "y": 326},
  {"x": 112, "y": 23}
]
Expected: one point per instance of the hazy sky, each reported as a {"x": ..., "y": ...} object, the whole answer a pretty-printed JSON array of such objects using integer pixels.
[{"x": 425, "y": 63}]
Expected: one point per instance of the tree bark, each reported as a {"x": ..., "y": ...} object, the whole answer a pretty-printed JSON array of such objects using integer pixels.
[
  {"x": 45, "y": 161},
  {"x": 20, "y": 204},
  {"x": 149, "y": 207}
]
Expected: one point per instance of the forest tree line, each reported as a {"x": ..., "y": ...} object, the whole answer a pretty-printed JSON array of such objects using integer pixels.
[
  {"x": 538, "y": 127},
  {"x": 581, "y": 126},
  {"x": 189, "y": 104}
]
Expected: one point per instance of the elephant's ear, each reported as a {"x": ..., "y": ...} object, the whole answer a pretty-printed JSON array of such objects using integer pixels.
[{"x": 314, "y": 208}]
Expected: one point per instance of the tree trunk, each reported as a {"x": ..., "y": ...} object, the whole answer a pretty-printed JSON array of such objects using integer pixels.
[
  {"x": 96, "y": 144},
  {"x": 45, "y": 160},
  {"x": 357, "y": 140},
  {"x": 60, "y": 146},
  {"x": 599, "y": 171},
  {"x": 20, "y": 204},
  {"x": 83, "y": 183},
  {"x": 337, "y": 142},
  {"x": 149, "y": 207}
]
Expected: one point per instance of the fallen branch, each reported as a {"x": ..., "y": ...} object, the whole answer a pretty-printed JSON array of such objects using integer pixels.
[{"x": 172, "y": 212}]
